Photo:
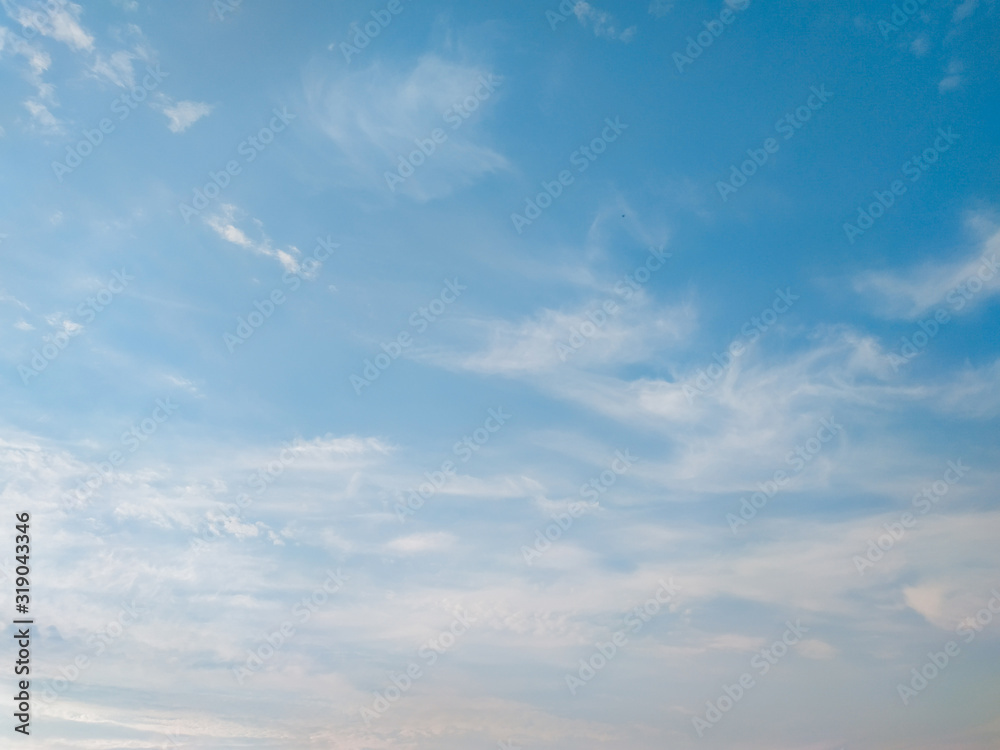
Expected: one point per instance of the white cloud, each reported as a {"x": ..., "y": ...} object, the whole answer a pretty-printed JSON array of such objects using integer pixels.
[
  {"x": 603, "y": 23},
  {"x": 183, "y": 115},
  {"x": 224, "y": 226},
  {"x": 758, "y": 411},
  {"x": 660, "y": 8},
  {"x": 972, "y": 393},
  {"x": 537, "y": 626},
  {"x": 812, "y": 648},
  {"x": 430, "y": 542},
  {"x": 116, "y": 68},
  {"x": 953, "y": 79},
  {"x": 4, "y": 297},
  {"x": 926, "y": 600},
  {"x": 964, "y": 10},
  {"x": 375, "y": 115},
  {"x": 43, "y": 120},
  {"x": 61, "y": 23},
  {"x": 586, "y": 337},
  {"x": 960, "y": 284},
  {"x": 181, "y": 382},
  {"x": 949, "y": 83},
  {"x": 38, "y": 60}
]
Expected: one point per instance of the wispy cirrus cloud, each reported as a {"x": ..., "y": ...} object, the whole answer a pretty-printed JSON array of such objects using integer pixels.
[
  {"x": 604, "y": 331},
  {"x": 962, "y": 283},
  {"x": 377, "y": 115},
  {"x": 223, "y": 224}
]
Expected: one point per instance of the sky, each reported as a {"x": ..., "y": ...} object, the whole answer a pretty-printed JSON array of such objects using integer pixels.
[{"x": 403, "y": 375}]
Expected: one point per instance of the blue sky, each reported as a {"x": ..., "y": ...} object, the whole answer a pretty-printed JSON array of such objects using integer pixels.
[{"x": 447, "y": 344}]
